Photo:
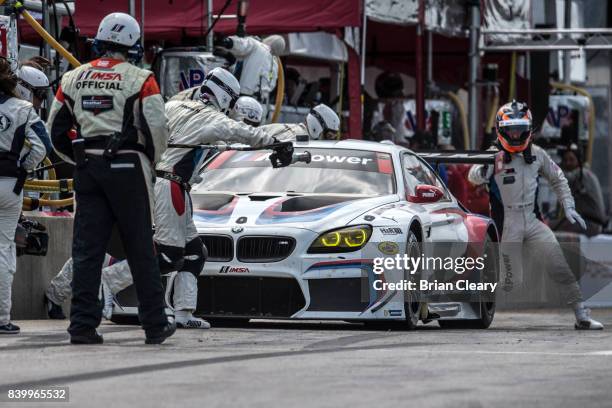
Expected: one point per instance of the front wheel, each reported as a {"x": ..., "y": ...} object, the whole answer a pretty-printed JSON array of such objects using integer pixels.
[
  {"x": 487, "y": 309},
  {"x": 487, "y": 312},
  {"x": 412, "y": 306}
]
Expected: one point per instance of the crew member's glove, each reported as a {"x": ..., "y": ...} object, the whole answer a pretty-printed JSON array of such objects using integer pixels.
[
  {"x": 227, "y": 55},
  {"x": 225, "y": 42},
  {"x": 572, "y": 216},
  {"x": 282, "y": 155}
]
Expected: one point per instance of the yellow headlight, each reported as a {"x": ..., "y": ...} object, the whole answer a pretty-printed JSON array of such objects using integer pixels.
[
  {"x": 355, "y": 238},
  {"x": 331, "y": 239},
  {"x": 346, "y": 239}
]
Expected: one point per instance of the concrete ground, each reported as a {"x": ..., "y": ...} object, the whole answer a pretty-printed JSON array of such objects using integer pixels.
[{"x": 532, "y": 359}]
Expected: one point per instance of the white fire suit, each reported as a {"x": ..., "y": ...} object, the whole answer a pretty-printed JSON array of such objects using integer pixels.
[
  {"x": 59, "y": 289},
  {"x": 517, "y": 183},
  {"x": 191, "y": 122},
  {"x": 285, "y": 132},
  {"x": 189, "y": 94},
  {"x": 256, "y": 68},
  {"x": 17, "y": 118}
]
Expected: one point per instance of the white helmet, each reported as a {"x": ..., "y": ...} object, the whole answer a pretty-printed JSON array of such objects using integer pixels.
[
  {"x": 248, "y": 110},
  {"x": 322, "y": 122},
  {"x": 119, "y": 28},
  {"x": 276, "y": 43},
  {"x": 31, "y": 81},
  {"x": 223, "y": 86}
]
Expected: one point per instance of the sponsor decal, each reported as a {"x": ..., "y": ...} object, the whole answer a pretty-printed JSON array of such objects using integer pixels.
[
  {"x": 340, "y": 159},
  {"x": 5, "y": 122},
  {"x": 93, "y": 75},
  {"x": 99, "y": 85},
  {"x": 233, "y": 269},
  {"x": 193, "y": 77},
  {"x": 391, "y": 230},
  {"x": 388, "y": 248},
  {"x": 395, "y": 313},
  {"x": 97, "y": 103}
]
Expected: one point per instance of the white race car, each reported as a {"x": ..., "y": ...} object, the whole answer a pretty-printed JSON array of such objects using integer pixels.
[{"x": 302, "y": 242}]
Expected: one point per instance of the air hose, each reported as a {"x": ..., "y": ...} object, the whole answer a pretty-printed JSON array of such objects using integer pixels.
[{"x": 280, "y": 91}]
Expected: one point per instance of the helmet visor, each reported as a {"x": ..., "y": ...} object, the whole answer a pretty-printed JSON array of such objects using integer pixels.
[
  {"x": 329, "y": 134},
  {"x": 40, "y": 93},
  {"x": 516, "y": 134}
]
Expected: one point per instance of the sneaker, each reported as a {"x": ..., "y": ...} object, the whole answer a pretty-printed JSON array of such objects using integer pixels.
[
  {"x": 54, "y": 311},
  {"x": 86, "y": 337},
  {"x": 585, "y": 322},
  {"x": 108, "y": 302},
  {"x": 158, "y": 337},
  {"x": 9, "y": 328},
  {"x": 185, "y": 320}
]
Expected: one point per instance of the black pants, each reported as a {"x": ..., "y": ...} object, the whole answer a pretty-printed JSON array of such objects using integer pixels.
[{"x": 109, "y": 192}]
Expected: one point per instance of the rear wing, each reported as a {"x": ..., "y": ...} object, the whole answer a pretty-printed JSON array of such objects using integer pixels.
[{"x": 458, "y": 156}]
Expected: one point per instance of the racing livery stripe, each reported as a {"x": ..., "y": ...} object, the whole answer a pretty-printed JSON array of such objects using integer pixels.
[
  {"x": 223, "y": 157},
  {"x": 220, "y": 216},
  {"x": 384, "y": 163},
  {"x": 350, "y": 263},
  {"x": 272, "y": 215}
]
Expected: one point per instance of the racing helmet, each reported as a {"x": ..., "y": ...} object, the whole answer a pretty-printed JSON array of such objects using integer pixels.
[
  {"x": 322, "y": 123},
  {"x": 514, "y": 126},
  {"x": 247, "y": 110},
  {"x": 276, "y": 43},
  {"x": 31, "y": 82},
  {"x": 119, "y": 29},
  {"x": 224, "y": 86}
]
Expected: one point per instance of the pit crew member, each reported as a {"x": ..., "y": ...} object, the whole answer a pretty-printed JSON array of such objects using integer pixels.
[
  {"x": 118, "y": 112},
  {"x": 516, "y": 170}
]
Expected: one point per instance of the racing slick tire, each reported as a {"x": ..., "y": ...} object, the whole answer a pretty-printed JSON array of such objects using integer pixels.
[
  {"x": 487, "y": 309},
  {"x": 412, "y": 306}
]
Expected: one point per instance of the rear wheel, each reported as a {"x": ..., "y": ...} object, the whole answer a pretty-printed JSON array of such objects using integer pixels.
[
  {"x": 486, "y": 308},
  {"x": 412, "y": 306}
]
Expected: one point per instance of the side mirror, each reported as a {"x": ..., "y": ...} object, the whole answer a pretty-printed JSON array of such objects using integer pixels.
[{"x": 425, "y": 193}]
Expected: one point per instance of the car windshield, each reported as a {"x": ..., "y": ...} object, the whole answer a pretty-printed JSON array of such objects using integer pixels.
[{"x": 332, "y": 171}]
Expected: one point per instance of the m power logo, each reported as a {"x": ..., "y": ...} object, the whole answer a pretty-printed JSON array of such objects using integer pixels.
[{"x": 117, "y": 28}]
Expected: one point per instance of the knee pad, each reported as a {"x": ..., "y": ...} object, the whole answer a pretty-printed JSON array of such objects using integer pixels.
[
  {"x": 195, "y": 256},
  {"x": 170, "y": 258}
]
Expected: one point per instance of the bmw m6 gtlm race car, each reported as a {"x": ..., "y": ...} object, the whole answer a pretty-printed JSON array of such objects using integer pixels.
[{"x": 301, "y": 242}]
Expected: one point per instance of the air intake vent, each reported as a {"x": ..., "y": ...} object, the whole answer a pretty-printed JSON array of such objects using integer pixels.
[
  {"x": 264, "y": 248},
  {"x": 220, "y": 247}
]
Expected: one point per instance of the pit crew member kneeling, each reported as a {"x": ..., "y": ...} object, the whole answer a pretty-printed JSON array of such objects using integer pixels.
[{"x": 516, "y": 170}]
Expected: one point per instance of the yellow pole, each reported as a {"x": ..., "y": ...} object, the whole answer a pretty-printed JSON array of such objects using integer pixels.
[
  {"x": 280, "y": 91},
  {"x": 45, "y": 35},
  {"x": 512, "y": 86},
  {"x": 462, "y": 117}
]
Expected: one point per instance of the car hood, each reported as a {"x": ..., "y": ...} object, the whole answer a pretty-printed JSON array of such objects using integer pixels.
[{"x": 317, "y": 212}]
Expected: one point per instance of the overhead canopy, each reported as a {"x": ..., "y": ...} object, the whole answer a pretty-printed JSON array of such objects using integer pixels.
[{"x": 173, "y": 19}]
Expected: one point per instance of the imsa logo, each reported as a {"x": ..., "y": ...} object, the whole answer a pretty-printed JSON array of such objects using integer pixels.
[{"x": 233, "y": 269}]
